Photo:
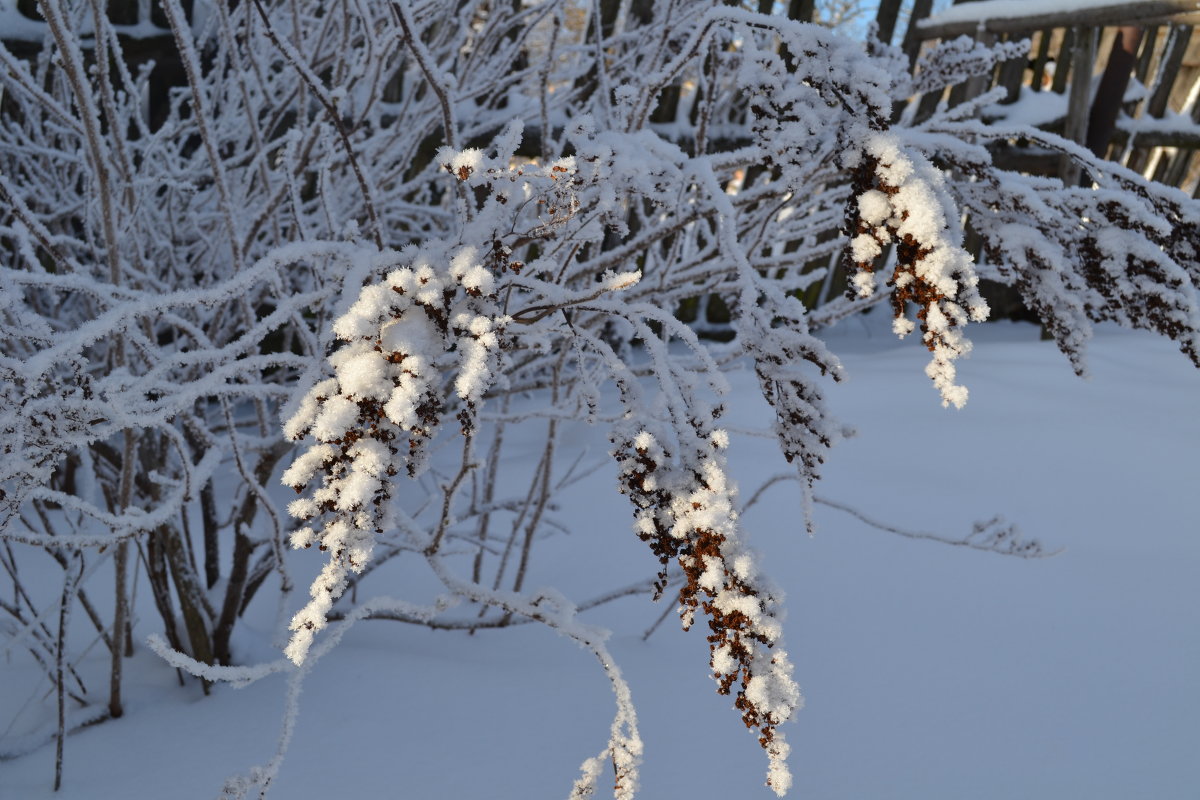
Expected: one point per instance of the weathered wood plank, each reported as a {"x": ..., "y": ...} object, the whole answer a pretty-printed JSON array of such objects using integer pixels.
[
  {"x": 1062, "y": 66},
  {"x": 1178, "y": 137},
  {"x": 1177, "y": 169},
  {"x": 801, "y": 10},
  {"x": 1010, "y": 76},
  {"x": 1039, "y": 61},
  {"x": 912, "y": 36},
  {"x": 1147, "y": 52},
  {"x": 1080, "y": 100},
  {"x": 1121, "y": 60},
  {"x": 1097, "y": 16},
  {"x": 1177, "y": 45},
  {"x": 885, "y": 20}
]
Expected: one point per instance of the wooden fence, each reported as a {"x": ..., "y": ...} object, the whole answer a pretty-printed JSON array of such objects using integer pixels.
[{"x": 1120, "y": 78}]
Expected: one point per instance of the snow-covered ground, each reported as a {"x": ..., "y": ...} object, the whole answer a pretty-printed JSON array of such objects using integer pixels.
[{"x": 929, "y": 671}]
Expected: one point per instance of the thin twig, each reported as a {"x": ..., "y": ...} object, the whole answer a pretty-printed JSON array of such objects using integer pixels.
[{"x": 314, "y": 84}]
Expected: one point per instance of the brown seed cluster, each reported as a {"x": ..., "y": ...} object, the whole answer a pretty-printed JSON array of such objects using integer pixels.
[
  {"x": 1134, "y": 284},
  {"x": 907, "y": 283},
  {"x": 645, "y": 480},
  {"x": 1124, "y": 264}
]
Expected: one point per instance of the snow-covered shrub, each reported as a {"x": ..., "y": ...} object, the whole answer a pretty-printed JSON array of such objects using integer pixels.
[{"x": 405, "y": 225}]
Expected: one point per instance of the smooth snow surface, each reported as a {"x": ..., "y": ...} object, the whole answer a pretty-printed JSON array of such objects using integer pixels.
[{"x": 930, "y": 672}]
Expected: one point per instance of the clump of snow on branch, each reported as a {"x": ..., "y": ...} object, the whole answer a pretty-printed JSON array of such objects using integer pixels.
[
  {"x": 687, "y": 512},
  {"x": 902, "y": 200},
  {"x": 375, "y": 418}
]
